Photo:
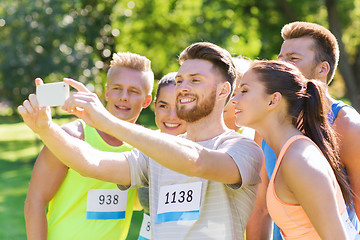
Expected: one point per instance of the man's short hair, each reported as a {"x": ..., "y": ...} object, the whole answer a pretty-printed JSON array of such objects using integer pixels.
[
  {"x": 136, "y": 62},
  {"x": 219, "y": 57},
  {"x": 326, "y": 46}
]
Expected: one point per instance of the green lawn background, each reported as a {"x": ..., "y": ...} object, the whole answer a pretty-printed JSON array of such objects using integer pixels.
[{"x": 19, "y": 147}]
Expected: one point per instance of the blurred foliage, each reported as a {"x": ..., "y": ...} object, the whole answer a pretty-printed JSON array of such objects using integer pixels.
[{"x": 53, "y": 39}]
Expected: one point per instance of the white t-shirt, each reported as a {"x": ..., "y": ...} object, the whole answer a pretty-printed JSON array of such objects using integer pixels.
[{"x": 223, "y": 210}]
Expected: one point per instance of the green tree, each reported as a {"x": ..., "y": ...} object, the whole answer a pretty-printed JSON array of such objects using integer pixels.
[{"x": 54, "y": 38}]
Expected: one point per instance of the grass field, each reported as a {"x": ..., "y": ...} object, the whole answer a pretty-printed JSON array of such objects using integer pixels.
[{"x": 19, "y": 147}]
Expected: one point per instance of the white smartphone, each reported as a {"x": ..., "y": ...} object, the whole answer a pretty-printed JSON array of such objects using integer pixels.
[{"x": 52, "y": 94}]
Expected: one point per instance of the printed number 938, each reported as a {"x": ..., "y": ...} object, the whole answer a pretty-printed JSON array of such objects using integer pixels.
[{"x": 108, "y": 199}]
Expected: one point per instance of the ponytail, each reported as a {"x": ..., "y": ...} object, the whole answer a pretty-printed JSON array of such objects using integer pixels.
[
  {"x": 314, "y": 124},
  {"x": 306, "y": 109}
]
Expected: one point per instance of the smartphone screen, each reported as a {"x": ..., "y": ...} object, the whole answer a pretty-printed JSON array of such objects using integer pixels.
[{"x": 52, "y": 94}]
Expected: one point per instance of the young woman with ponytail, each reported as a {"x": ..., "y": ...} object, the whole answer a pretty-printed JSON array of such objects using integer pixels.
[{"x": 308, "y": 189}]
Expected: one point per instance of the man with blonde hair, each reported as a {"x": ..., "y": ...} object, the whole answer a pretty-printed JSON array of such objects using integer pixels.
[
  {"x": 202, "y": 184},
  {"x": 80, "y": 207}
]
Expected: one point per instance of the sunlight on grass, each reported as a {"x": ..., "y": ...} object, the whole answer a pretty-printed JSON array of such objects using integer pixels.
[
  {"x": 15, "y": 192},
  {"x": 14, "y": 180},
  {"x": 19, "y": 131},
  {"x": 19, "y": 143},
  {"x": 16, "y": 131},
  {"x": 24, "y": 154}
]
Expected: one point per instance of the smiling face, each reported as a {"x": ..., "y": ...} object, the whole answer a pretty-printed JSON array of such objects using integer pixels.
[
  {"x": 301, "y": 53},
  {"x": 126, "y": 93},
  {"x": 251, "y": 101},
  {"x": 196, "y": 86},
  {"x": 166, "y": 118}
]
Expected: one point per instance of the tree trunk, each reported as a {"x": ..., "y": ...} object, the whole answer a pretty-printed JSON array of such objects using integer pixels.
[
  {"x": 344, "y": 65},
  {"x": 288, "y": 12},
  {"x": 356, "y": 67}
]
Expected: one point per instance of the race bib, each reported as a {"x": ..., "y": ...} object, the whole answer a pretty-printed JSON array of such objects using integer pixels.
[
  {"x": 145, "y": 230},
  {"x": 179, "y": 202},
  {"x": 106, "y": 204}
]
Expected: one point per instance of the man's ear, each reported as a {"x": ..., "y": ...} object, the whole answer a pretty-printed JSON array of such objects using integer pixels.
[
  {"x": 225, "y": 90},
  {"x": 323, "y": 70},
  {"x": 275, "y": 100},
  {"x": 147, "y": 101}
]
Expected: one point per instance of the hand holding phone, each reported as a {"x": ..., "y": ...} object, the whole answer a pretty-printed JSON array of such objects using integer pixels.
[{"x": 52, "y": 94}]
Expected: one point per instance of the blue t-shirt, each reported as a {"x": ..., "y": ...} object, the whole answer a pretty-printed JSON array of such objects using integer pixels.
[{"x": 270, "y": 160}]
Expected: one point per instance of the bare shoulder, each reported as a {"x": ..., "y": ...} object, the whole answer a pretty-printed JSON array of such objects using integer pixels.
[
  {"x": 302, "y": 158},
  {"x": 347, "y": 122},
  {"x": 74, "y": 128},
  {"x": 347, "y": 128}
]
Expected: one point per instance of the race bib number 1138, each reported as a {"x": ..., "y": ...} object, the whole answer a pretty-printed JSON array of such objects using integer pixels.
[{"x": 179, "y": 202}]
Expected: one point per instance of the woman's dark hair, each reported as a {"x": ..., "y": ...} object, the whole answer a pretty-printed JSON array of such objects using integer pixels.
[
  {"x": 165, "y": 81},
  {"x": 306, "y": 108}
]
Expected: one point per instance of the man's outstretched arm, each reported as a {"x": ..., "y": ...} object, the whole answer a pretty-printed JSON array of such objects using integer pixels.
[
  {"x": 73, "y": 152},
  {"x": 178, "y": 154}
]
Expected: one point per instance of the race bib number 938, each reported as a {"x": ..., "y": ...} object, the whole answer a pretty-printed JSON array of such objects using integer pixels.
[{"x": 105, "y": 204}]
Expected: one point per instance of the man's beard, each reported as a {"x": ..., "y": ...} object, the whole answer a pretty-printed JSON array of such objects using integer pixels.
[{"x": 198, "y": 112}]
